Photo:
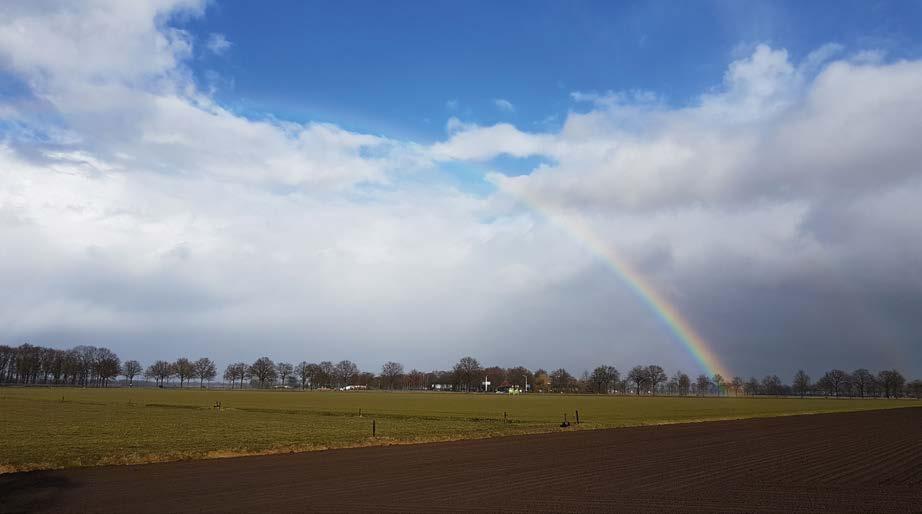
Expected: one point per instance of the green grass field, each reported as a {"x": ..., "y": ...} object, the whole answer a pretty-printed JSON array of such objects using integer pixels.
[{"x": 64, "y": 427}]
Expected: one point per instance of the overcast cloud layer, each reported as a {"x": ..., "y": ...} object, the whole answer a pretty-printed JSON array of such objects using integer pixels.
[{"x": 780, "y": 212}]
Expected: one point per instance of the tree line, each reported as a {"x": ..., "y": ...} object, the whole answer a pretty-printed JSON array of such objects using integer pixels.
[
  {"x": 80, "y": 365},
  {"x": 90, "y": 366}
]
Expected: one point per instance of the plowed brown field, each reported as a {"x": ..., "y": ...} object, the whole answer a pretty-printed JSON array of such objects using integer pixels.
[{"x": 850, "y": 462}]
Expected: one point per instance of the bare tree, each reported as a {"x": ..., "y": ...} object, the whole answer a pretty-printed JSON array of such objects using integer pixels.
[
  {"x": 771, "y": 384},
  {"x": 561, "y": 380},
  {"x": 704, "y": 384},
  {"x": 131, "y": 369},
  {"x": 684, "y": 383},
  {"x": 914, "y": 389},
  {"x": 416, "y": 379},
  {"x": 655, "y": 377},
  {"x": 521, "y": 376},
  {"x": 602, "y": 379},
  {"x": 892, "y": 381},
  {"x": 84, "y": 358},
  {"x": 495, "y": 375},
  {"x": 56, "y": 366},
  {"x": 106, "y": 365},
  {"x": 638, "y": 376},
  {"x": 263, "y": 371},
  {"x": 801, "y": 383},
  {"x": 204, "y": 369},
  {"x": 718, "y": 382},
  {"x": 306, "y": 373},
  {"x": 833, "y": 382},
  {"x": 230, "y": 374},
  {"x": 862, "y": 381},
  {"x": 390, "y": 374},
  {"x": 240, "y": 372},
  {"x": 345, "y": 372},
  {"x": 672, "y": 386},
  {"x": 467, "y": 373},
  {"x": 160, "y": 371},
  {"x": 364, "y": 378},
  {"x": 325, "y": 376},
  {"x": 542, "y": 381},
  {"x": 737, "y": 385},
  {"x": 752, "y": 386},
  {"x": 7, "y": 354},
  {"x": 184, "y": 370},
  {"x": 316, "y": 374},
  {"x": 284, "y": 370}
]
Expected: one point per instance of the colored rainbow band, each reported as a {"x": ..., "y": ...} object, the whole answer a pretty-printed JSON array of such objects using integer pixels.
[{"x": 669, "y": 315}]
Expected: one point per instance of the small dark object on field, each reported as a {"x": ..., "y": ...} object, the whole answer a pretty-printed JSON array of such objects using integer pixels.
[
  {"x": 373, "y": 429},
  {"x": 217, "y": 405},
  {"x": 565, "y": 423},
  {"x": 577, "y": 417}
]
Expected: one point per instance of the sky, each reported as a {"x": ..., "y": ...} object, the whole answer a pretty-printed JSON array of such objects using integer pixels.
[{"x": 420, "y": 181}]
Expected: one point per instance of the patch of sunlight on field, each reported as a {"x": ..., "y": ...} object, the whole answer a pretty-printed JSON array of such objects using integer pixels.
[{"x": 65, "y": 427}]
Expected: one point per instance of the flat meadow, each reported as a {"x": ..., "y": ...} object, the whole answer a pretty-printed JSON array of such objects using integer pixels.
[{"x": 45, "y": 428}]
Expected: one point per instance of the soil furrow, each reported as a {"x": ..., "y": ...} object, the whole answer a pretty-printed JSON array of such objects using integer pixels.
[{"x": 815, "y": 463}]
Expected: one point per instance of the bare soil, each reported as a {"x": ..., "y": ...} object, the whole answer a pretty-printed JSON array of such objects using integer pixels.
[{"x": 850, "y": 462}]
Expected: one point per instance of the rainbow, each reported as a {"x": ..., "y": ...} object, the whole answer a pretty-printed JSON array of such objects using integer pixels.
[{"x": 680, "y": 328}]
